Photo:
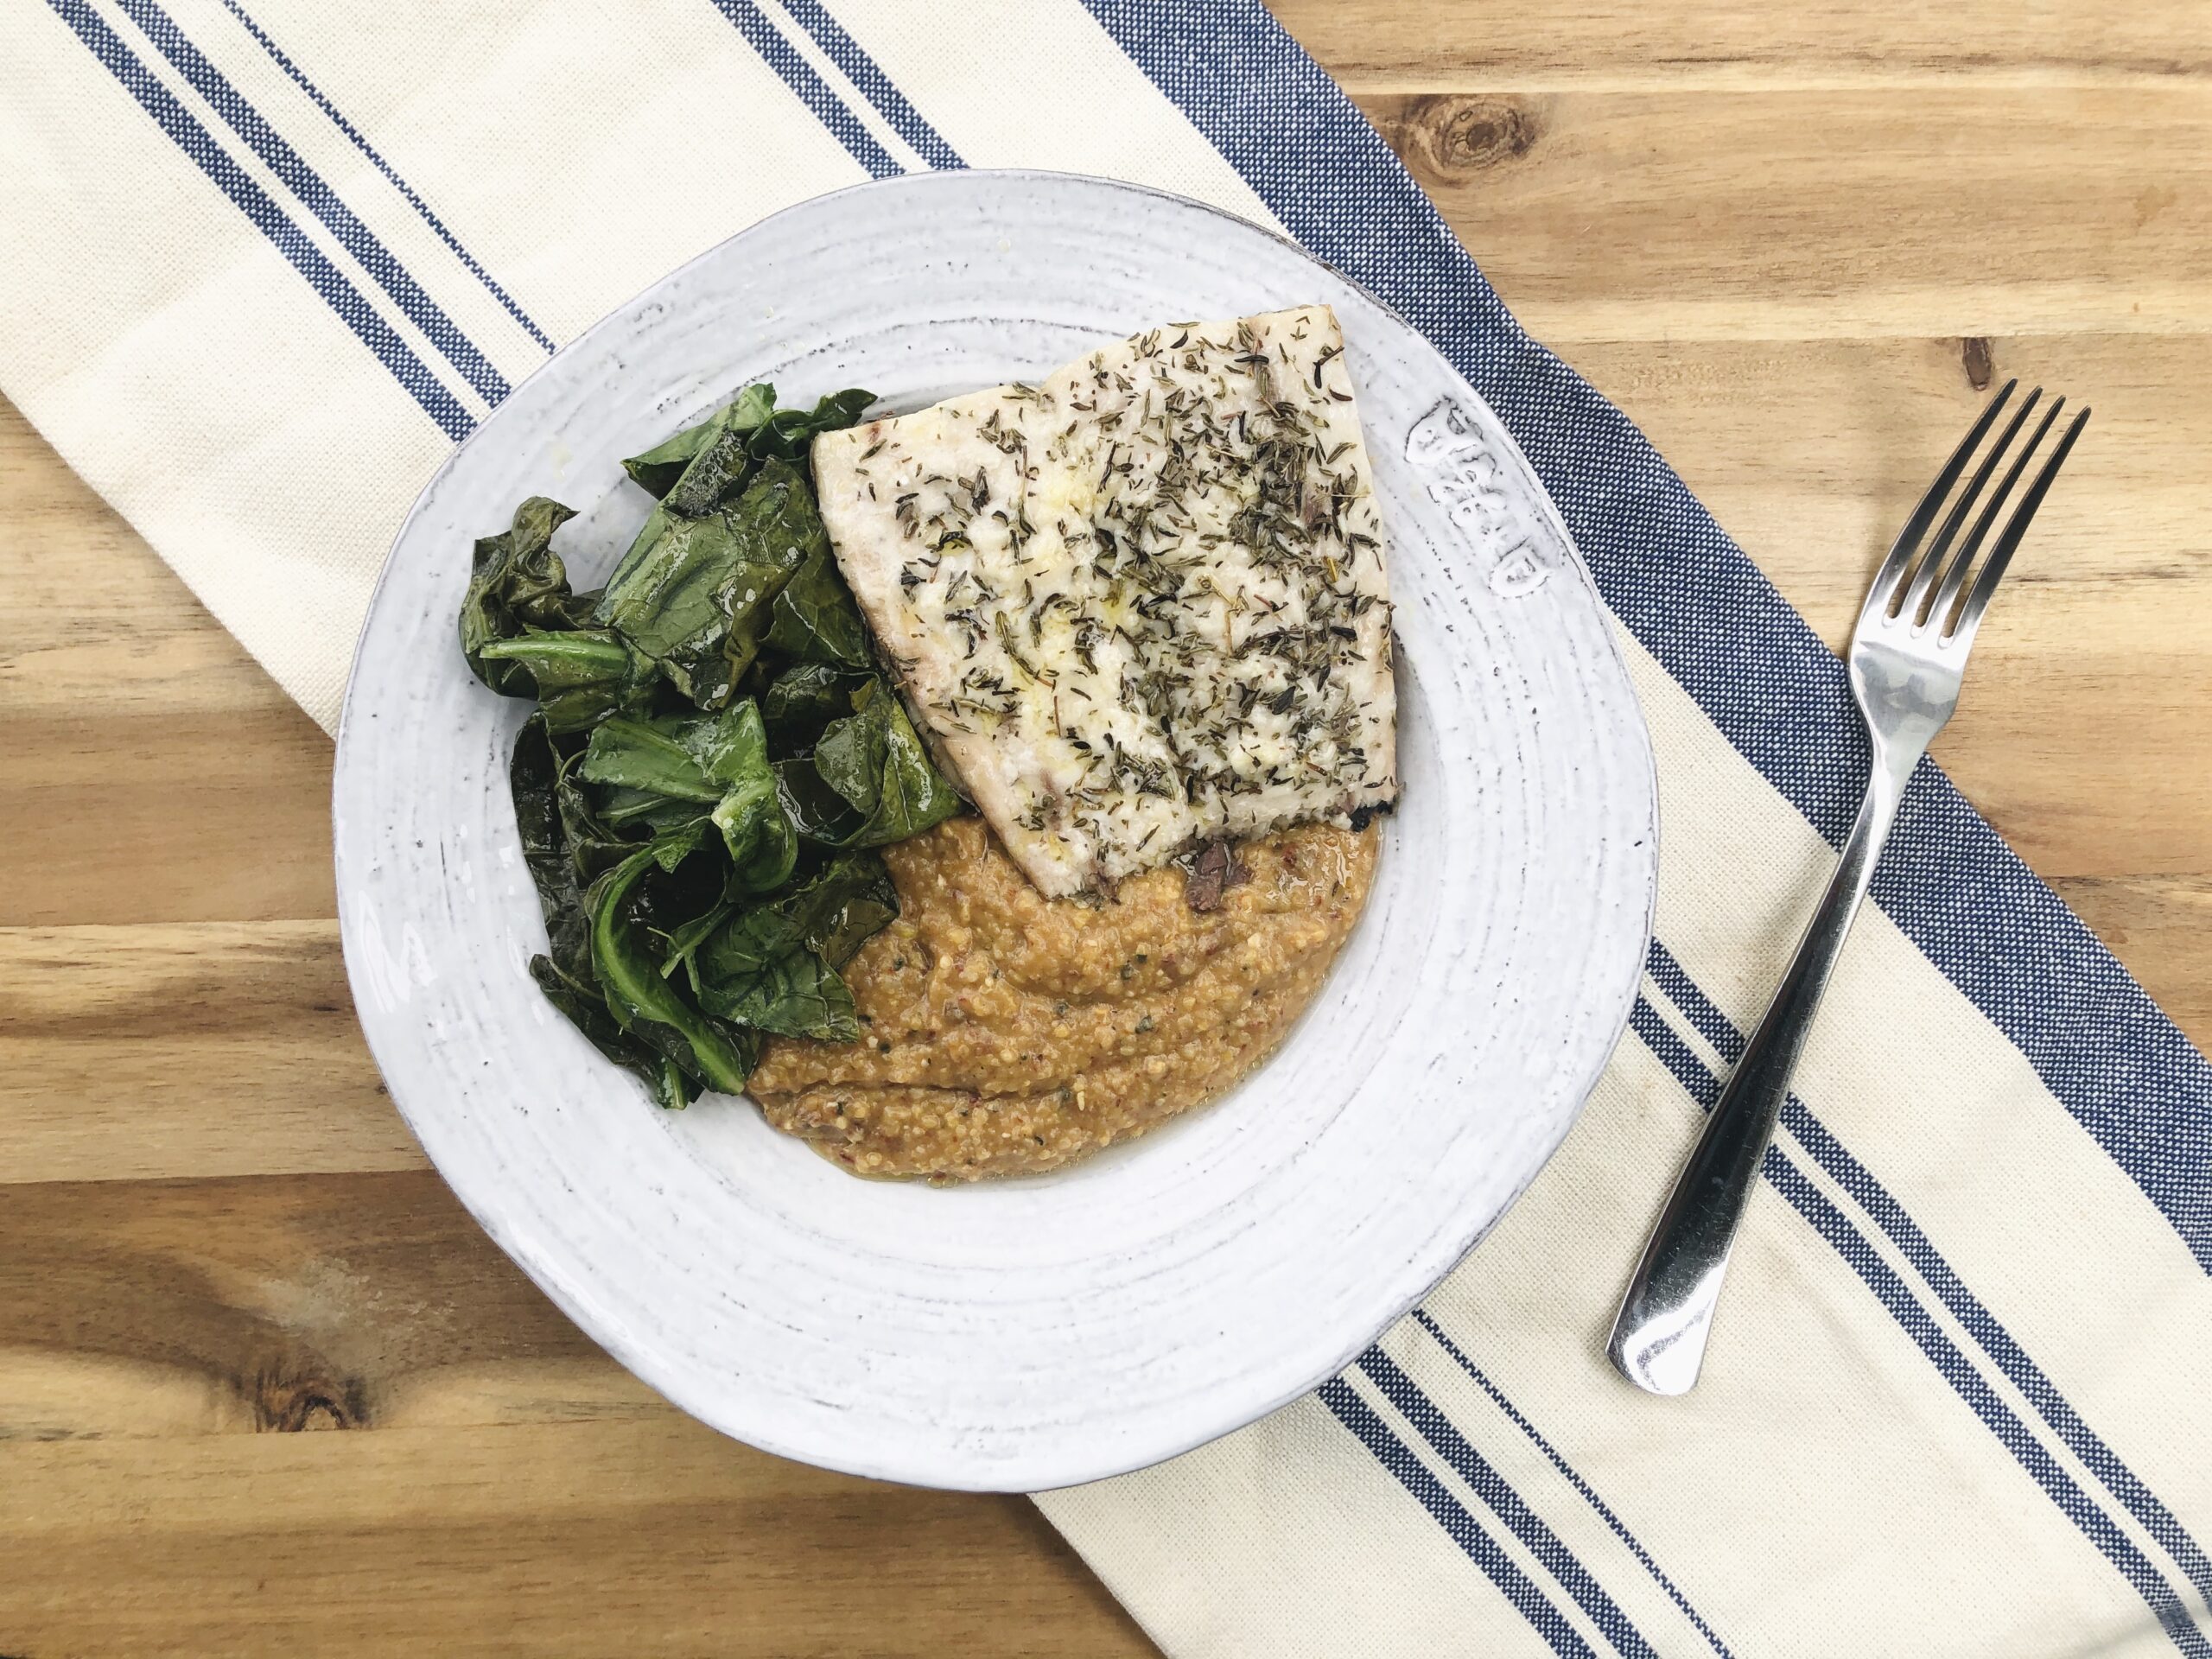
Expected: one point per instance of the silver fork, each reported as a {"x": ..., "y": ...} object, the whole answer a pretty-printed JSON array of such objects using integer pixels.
[{"x": 1908, "y": 654}]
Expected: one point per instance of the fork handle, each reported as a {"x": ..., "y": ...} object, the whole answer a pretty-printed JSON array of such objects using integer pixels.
[{"x": 1658, "y": 1339}]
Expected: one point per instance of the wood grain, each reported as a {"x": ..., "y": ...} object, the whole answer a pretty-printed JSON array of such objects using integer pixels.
[
  {"x": 1452, "y": 45},
  {"x": 1794, "y": 243},
  {"x": 1826, "y": 212},
  {"x": 173, "y": 778},
  {"x": 168, "y": 1350},
  {"x": 169, "y": 1050}
]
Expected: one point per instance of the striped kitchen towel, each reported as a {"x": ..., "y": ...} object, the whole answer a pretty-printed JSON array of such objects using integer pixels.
[{"x": 262, "y": 262}]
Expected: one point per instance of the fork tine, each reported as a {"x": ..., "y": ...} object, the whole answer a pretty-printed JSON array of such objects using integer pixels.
[
  {"x": 1908, "y": 541},
  {"x": 1931, "y": 565},
  {"x": 1940, "y": 613},
  {"x": 2000, "y": 555}
]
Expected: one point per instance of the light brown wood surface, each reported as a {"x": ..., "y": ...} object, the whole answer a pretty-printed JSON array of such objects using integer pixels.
[{"x": 1790, "y": 241}]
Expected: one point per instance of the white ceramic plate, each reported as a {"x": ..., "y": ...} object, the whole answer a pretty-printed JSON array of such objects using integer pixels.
[{"x": 1037, "y": 1333}]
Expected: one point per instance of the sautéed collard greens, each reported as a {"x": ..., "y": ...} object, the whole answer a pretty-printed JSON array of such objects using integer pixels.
[{"x": 713, "y": 758}]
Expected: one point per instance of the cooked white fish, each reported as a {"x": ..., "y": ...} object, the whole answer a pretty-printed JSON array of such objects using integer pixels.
[{"x": 1141, "y": 605}]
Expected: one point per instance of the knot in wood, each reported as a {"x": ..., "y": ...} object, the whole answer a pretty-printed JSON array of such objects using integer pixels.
[
  {"x": 1981, "y": 368},
  {"x": 1464, "y": 134},
  {"x": 290, "y": 1403}
]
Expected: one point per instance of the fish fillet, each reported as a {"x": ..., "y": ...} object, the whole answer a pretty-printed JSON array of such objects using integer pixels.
[{"x": 1141, "y": 605}]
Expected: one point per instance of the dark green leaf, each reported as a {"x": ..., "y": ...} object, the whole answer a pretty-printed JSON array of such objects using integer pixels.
[
  {"x": 669, "y": 900},
  {"x": 698, "y": 599},
  {"x": 564, "y": 662},
  {"x": 577, "y": 676},
  {"x": 673, "y": 1049},
  {"x": 659, "y": 467},
  {"x": 816, "y": 811},
  {"x": 731, "y": 747},
  {"x": 846, "y": 904},
  {"x": 833, "y": 914},
  {"x": 851, "y": 755},
  {"x": 532, "y": 772},
  {"x": 670, "y": 1085},
  {"x": 596, "y": 843},
  {"x": 693, "y": 759},
  {"x": 716, "y": 462},
  {"x": 815, "y": 620},
  {"x": 798, "y": 995},
  {"x": 670, "y": 848},
  {"x": 683, "y": 944},
  {"x": 732, "y": 750},
  {"x": 518, "y": 584},
  {"x": 566, "y": 974},
  {"x": 801, "y": 702},
  {"x": 774, "y": 966},
  {"x": 840, "y": 930},
  {"x": 634, "y": 811},
  {"x": 721, "y": 761},
  {"x": 713, "y": 479},
  {"x": 623, "y": 965},
  {"x": 790, "y": 432},
  {"x": 651, "y": 756},
  {"x": 534, "y": 776},
  {"x": 665, "y": 602},
  {"x": 777, "y": 530},
  {"x": 763, "y": 846},
  {"x": 877, "y": 763}
]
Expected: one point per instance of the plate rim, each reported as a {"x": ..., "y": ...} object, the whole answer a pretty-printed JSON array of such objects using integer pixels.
[{"x": 607, "y": 1333}]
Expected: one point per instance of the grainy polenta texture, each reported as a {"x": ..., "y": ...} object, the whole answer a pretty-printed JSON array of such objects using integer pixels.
[{"x": 1006, "y": 1033}]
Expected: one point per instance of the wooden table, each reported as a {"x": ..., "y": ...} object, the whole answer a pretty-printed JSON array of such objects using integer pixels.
[{"x": 1792, "y": 242}]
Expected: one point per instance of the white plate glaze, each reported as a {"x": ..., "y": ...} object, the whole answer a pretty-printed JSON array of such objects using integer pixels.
[{"x": 1038, "y": 1332}]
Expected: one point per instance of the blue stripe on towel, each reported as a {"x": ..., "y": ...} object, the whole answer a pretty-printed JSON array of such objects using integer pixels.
[
  {"x": 254, "y": 202},
  {"x": 780, "y": 55},
  {"x": 1927, "y": 1261},
  {"x": 1613, "y": 1522},
  {"x": 1697, "y": 603},
  {"x": 854, "y": 62},
  {"x": 1955, "y": 1369},
  {"x": 1356, "y": 1414},
  {"x": 1446, "y": 1439},
  {"x": 423, "y": 209},
  {"x": 318, "y": 198}
]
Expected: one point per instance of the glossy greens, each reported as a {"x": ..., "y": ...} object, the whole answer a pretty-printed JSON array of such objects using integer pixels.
[
  {"x": 876, "y": 761},
  {"x": 518, "y": 586},
  {"x": 713, "y": 758}
]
